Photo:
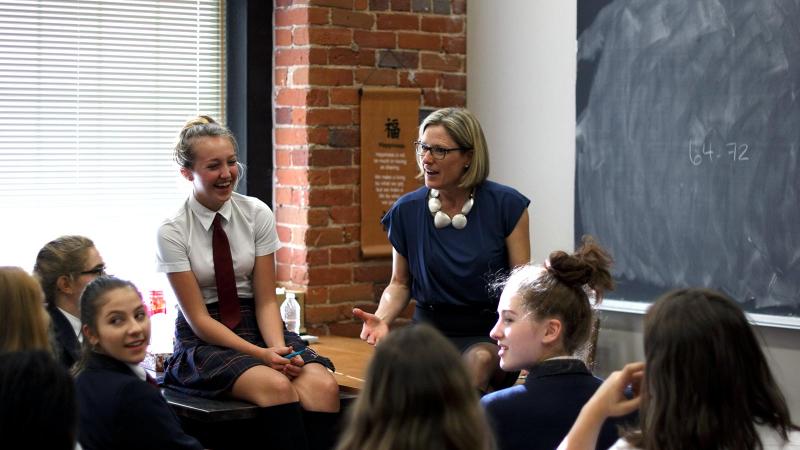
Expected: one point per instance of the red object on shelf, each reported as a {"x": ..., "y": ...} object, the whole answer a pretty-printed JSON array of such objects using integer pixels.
[{"x": 157, "y": 305}]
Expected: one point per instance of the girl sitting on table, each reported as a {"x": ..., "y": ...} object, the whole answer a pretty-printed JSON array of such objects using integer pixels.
[
  {"x": 546, "y": 318},
  {"x": 218, "y": 253},
  {"x": 705, "y": 384},
  {"x": 118, "y": 408}
]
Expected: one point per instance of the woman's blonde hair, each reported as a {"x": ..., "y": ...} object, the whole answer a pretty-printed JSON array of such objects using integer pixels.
[
  {"x": 417, "y": 395},
  {"x": 462, "y": 126},
  {"x": 22, "y": 315}
]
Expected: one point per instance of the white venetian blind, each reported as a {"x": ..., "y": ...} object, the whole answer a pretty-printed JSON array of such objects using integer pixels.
[{"x": 92, "y": 96}]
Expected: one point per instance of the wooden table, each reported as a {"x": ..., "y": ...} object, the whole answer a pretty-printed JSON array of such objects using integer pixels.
[{"x": 351, "y": 357}]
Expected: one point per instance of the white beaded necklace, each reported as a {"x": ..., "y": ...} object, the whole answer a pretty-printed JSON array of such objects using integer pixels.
[{"x": 440, "y": 219}]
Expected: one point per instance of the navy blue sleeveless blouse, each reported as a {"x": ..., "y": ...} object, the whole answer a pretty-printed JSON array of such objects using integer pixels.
[{"x": 449, "y": 267}]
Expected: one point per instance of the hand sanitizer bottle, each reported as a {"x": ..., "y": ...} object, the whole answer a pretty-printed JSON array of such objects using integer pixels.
[{"x": 290, "y": 313}]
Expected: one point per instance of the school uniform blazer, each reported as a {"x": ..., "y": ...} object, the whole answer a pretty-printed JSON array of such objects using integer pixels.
[
  {"x": 67, "y": 344},
  {"x": 538, "y": 414},
  {"x": 118, "y": 410}
]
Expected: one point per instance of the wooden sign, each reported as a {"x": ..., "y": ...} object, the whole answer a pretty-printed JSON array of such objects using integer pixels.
[{"x": 389, "y": 122}]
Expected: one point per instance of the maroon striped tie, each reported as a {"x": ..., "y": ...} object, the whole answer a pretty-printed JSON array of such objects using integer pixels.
[{"x": 229, "y": 312}]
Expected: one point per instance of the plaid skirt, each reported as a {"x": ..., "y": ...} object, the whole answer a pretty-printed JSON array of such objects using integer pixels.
[{"x": 205, "y": 370}]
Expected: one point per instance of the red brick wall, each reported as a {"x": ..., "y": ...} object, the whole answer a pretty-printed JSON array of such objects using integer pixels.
[{"x": 325, "y": 50}]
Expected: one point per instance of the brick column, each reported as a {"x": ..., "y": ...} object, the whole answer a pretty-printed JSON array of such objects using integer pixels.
[{"x": 325, "y": 51}]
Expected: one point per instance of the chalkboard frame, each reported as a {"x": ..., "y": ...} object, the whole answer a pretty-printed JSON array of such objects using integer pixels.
[{"x": 764, "y": 320}]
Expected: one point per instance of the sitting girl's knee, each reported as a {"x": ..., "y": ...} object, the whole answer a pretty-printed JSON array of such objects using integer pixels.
[
  {"x": 284, "y": 387},
  {"x": 278, "y": 391},
  {"x": 329, "y": 385}
]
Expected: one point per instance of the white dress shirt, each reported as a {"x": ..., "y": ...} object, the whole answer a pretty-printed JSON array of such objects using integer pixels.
[
  {"x": 184, "y": 241},
  {"x": 75, "y": 322}
]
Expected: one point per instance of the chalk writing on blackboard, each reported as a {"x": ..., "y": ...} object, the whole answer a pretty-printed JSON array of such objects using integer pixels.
[{"x": 734, "y": 151}]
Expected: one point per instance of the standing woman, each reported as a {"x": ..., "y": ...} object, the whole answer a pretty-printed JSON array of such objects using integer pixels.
[
  {"x": 23, "y": 320},
  {"x": 64, "y": 266},
  {"x": 230, "y": 339},
  {"x": 450, "y": 239},
  {"x": 545, "y": 319}
]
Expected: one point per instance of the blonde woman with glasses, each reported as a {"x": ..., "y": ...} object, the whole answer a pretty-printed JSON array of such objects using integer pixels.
[{"x": 450, "y": 239}]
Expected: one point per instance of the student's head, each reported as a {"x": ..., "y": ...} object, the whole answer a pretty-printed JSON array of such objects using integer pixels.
[
  {"x": 23, "y": 319},
  {"x": 37, "y": 402},
  {"x": 417, "y": 395},
  {"x": 452, "y": 128},
  {"x": 65, "y": 265},
  {"x": 706, "y": 377},
  {"x": 207, "y": 155},
  {"x": 544, "y": 311},
  {"x": 114, "y": 320}
]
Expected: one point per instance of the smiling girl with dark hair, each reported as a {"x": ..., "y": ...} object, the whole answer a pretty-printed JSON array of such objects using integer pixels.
[{"x": 118, "y": 408}]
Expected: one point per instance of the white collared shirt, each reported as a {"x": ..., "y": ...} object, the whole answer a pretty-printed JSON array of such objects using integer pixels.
[
  {"x": 75, "y": 322},
  {"x": 138, "y": 371},
  {"x": 769, "y": 439},
  {"x": 184, "y": 241}
]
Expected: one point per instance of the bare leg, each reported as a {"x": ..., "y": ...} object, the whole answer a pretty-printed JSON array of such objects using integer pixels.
[
  {"x": 482, "y": 361},
  {"x": 317, "y": 389},
  {"x": 264, "y": 386}
]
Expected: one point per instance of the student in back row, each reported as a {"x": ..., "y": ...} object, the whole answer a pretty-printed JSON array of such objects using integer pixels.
[
  {"x": 705, "y": 384},
  {"x": 545, "y": 318},
  {"x": 218, "y": 252},
  {"x": 63, "y": 267}
]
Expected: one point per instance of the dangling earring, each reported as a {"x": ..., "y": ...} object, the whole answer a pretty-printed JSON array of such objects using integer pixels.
[{"x": 466, "y": 166}]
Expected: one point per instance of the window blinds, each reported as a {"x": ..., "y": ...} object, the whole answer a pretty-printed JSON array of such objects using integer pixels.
[
  {"x": 92, "y": 97},
  {"x": 93, "y": 93}
]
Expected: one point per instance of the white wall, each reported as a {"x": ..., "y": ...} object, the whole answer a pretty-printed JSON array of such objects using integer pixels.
[{"x": 521, "y": 85}]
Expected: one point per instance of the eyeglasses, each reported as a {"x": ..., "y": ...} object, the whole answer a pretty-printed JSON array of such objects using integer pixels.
[
  {"x": 436, "y": 152},
  {"x": 96, "y": 271}
]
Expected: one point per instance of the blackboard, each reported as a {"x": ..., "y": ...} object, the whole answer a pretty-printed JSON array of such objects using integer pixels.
[{"x": 687, "y": 136}]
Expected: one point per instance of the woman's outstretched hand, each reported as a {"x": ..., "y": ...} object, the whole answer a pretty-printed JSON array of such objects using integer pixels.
[{"x": 374, "y": 328}]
